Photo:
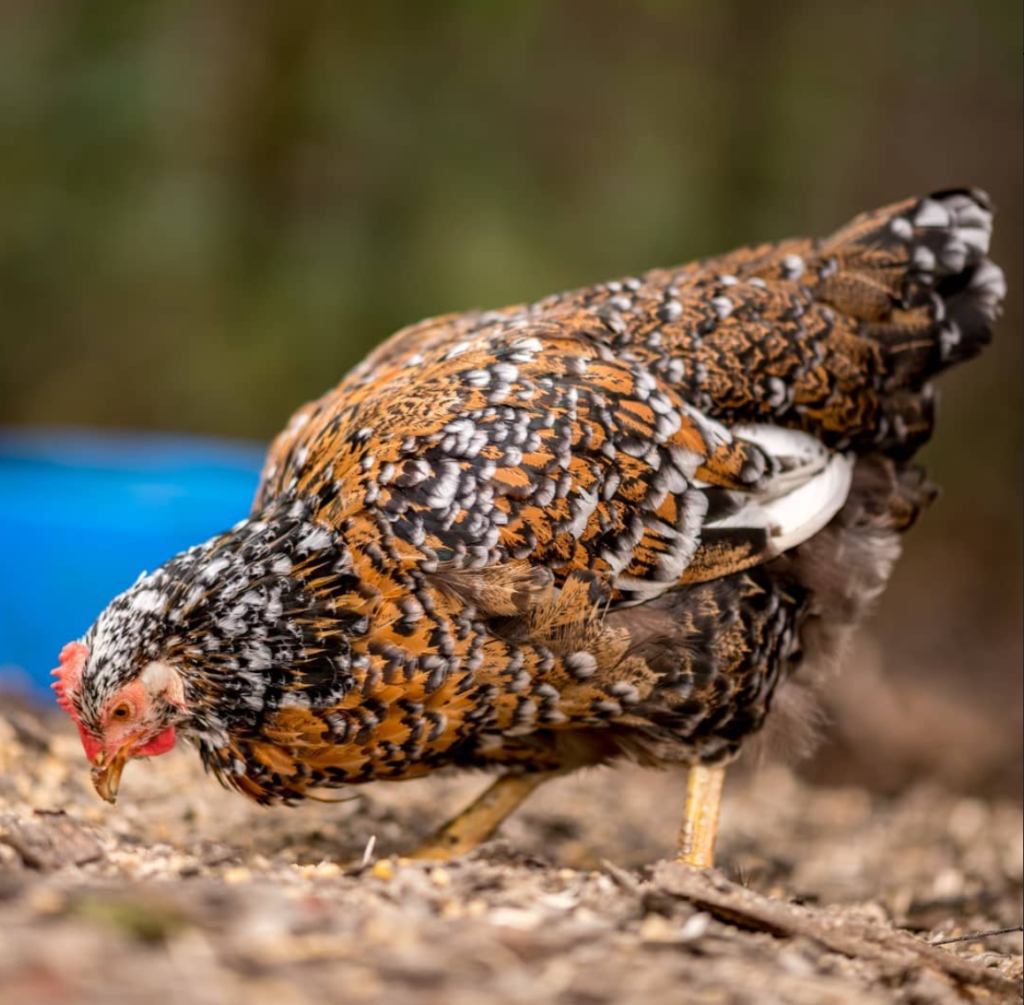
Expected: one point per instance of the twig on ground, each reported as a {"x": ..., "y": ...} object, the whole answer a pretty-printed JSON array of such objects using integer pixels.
[{"x": 972, "y": 936}]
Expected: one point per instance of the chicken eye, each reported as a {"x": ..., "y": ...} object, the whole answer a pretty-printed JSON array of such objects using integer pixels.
[{"x": 122, "y": 711}]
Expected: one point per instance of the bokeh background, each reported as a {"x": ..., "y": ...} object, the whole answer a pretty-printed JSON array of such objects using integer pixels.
[{"x": 209, "y": 210}]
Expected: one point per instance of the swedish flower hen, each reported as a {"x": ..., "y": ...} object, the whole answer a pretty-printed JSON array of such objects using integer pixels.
[{"x": 607, "y": 525}]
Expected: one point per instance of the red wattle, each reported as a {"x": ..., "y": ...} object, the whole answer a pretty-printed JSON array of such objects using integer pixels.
[
  {"x": 90, "y": 743},
  {"x": 160, "y": 744}
]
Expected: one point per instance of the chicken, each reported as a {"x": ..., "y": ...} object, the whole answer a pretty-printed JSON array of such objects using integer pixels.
[{"x": 610, "y": 524}]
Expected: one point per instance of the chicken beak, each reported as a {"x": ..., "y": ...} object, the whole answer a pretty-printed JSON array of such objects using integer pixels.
[{"x": 106, "y": 772}]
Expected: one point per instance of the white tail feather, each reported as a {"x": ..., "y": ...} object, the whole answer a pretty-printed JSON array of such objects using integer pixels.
[{"x": 810, "y": 488}]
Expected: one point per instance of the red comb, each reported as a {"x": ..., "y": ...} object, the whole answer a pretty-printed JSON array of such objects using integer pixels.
[{"x": 69, "y": 674}]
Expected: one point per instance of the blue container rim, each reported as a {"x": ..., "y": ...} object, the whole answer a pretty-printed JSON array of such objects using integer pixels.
[{"x": 135, "y": 449}]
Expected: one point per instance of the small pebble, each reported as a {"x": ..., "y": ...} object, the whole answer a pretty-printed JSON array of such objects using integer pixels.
[
  {"x": 43, "y": 900},
  {"x": 695, "y": 927},
  {"x": 657, "y": 928}
]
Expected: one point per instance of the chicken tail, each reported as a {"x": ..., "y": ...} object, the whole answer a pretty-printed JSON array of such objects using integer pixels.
[{"x": 928, "y": 257}]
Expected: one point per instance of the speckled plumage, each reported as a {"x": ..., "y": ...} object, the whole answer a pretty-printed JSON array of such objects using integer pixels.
[{"x": 607, "y": 524}]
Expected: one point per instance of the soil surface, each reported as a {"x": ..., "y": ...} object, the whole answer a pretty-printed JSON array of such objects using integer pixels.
[{"x": 186, "y": 893}]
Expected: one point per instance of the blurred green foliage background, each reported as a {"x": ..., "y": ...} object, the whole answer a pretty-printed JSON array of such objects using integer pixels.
[{"x": 210, "y": 209}]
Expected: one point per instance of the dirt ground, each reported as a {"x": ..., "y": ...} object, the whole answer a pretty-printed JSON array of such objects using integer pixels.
[{"x": 186, "y": 893}]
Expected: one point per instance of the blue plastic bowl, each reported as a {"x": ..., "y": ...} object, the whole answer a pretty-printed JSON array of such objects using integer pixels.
[{"x": 83, "y": 513}]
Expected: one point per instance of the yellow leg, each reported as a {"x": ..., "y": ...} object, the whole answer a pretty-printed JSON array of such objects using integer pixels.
[
  {"x": 478, "y": 821},
  {"x": 700, "y": 821}
]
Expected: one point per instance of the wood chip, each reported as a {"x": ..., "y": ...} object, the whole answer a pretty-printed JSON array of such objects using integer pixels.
[{"x": 49, "y": 840}]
